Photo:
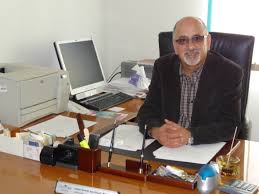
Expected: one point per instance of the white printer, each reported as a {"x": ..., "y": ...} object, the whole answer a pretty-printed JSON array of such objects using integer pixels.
[{"x": 28, "y": 93}]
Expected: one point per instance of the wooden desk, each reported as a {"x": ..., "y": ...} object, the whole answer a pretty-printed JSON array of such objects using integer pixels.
[
  {"x": 102, "y": 124},
  {"x": 23, "y": 176}
]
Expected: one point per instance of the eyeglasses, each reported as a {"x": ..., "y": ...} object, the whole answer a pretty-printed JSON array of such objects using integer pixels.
[{"x": 195, "y": 39}]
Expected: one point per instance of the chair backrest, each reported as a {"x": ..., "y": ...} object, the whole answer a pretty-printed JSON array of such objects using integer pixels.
[{"x": 236, "y": 47}]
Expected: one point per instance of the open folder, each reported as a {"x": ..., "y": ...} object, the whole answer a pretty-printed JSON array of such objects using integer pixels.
[{"x": 200, "y": 154}]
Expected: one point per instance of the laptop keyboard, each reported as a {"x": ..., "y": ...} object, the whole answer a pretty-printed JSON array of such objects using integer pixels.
[{"x": 105, "y": 101}]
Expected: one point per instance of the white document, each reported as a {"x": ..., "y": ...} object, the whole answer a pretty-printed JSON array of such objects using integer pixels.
[
  {"x": 116, "y": 109},
  {"x": 200, "y": 154},
  {"x": 127, "y": 137},
  {"x": 31, "y": 152},
  {"x": 11, "y": 145},
  {"x": 60, "y": 126},
  {"x": 121, "y": 85}
]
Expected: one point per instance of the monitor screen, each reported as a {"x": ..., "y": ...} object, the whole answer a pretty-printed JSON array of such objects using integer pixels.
[{"x": 79, "y": 58}]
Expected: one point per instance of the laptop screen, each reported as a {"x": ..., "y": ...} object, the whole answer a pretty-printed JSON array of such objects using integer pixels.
[{"x": 79, "y": 58}]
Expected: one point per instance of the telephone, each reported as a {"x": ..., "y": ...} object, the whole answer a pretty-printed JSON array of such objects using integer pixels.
[{"x": 239, "y": 187}]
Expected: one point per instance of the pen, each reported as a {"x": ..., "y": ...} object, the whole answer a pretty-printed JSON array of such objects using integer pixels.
[
  {"x": 234, "y": 148},
  {"x": 83, "y": 135},
  {"x": 80, "y": 123},
  {"x": 86, "y": 134},
  {"x": 142, "y": 150},
  {"x": 111, "y": 144},
  {"x": 232, "y": 143}
]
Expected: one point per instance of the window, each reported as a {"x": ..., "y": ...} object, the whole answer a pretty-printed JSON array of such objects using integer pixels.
[{"x": 239, "y": 17}]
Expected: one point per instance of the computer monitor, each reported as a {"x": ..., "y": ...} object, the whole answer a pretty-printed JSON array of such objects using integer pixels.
[{"x": 80, "y": 59}]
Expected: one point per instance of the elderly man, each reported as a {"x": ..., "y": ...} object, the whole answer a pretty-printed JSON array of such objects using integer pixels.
[{"x": 195, "y": 94}]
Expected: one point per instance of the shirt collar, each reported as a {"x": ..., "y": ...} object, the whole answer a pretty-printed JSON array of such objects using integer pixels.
[{"x": 196, "y": 73}]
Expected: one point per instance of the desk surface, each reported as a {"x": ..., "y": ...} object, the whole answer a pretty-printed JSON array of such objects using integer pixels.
[
  {"x": 21, "y": 175},
  {"x": 102, "y": 124}
]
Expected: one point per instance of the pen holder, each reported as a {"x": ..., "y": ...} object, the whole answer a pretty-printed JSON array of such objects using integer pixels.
[
  {"x": 130, "y": 170},
  {"x": 89, "y": 160},
  {"x": 133, "y": 166}
]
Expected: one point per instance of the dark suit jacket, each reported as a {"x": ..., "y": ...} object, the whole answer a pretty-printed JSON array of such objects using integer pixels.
[{"x": 217, "y": 106}]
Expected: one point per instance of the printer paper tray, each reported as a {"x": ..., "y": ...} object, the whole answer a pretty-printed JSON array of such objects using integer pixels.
[{"x": 35, "y": 112}]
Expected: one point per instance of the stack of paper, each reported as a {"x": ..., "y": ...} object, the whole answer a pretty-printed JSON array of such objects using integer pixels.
[
  {"x": 200, "y": 154},
  {"x": 127, "y": 137},
  {"x": 121, "y": 85},
  {"x": 59, "y": 126}
]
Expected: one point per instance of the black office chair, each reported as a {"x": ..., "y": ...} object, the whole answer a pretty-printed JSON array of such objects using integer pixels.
[{"x": 236, "y": 47}]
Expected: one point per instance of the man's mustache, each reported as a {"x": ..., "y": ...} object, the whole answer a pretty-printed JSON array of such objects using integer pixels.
[{"x": 192, "y": 51}]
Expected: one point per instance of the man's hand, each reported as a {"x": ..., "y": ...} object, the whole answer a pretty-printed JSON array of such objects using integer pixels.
[{"x": 171, "y": 134}]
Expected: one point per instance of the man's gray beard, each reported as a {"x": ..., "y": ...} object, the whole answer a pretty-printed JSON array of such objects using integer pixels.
[{"x": 192, "y": 60}]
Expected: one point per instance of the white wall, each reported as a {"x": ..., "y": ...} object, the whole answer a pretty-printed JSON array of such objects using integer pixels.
[
  {"x": 132, "y": 26},
  {"x": 122, "y": 29},
  {"x": 253, "y": 105},
  {"x": 29, "y": 28}
]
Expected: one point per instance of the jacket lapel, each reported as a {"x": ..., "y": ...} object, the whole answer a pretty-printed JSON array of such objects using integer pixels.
[
  {"x": 205, "y": 83},
  {"x": 175, "y": 91}
]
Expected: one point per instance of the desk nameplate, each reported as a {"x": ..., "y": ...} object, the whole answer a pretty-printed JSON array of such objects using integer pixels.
[{"x": 70, "y": 188}]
